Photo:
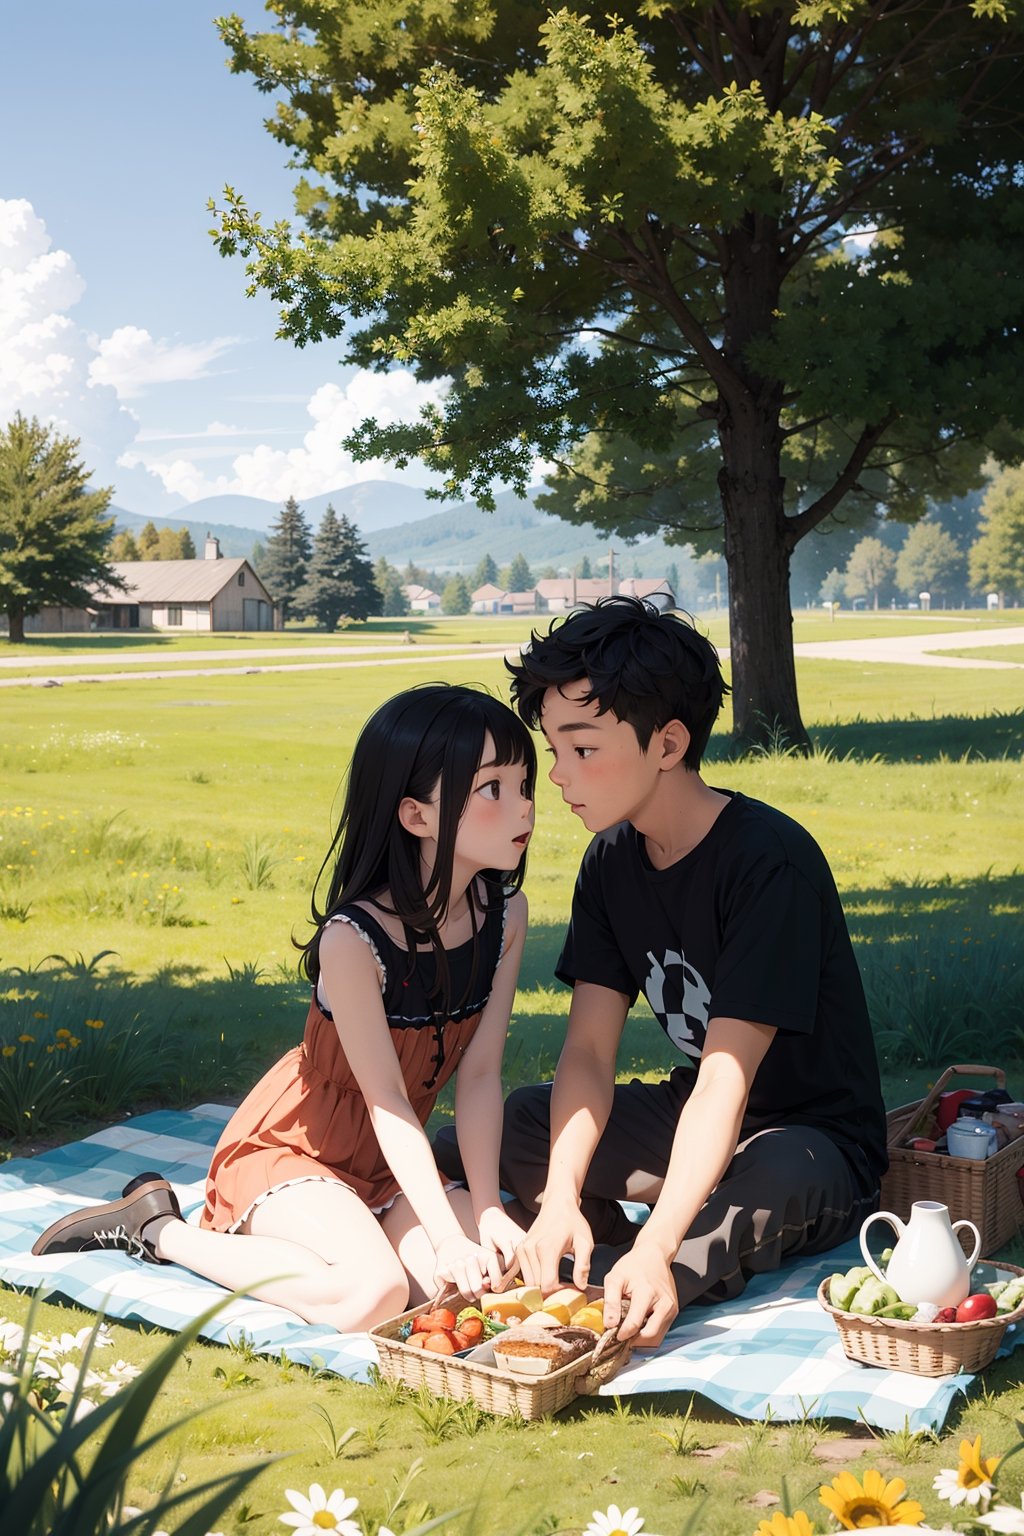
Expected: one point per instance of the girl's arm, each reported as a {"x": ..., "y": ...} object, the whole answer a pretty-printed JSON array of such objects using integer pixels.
[
  {"x": 350, "y": 973},
  {"x": 478, "y": 1092}
]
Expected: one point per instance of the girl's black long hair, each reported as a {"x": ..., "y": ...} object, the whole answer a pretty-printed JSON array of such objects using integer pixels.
[{"x": 425, "y": 739}]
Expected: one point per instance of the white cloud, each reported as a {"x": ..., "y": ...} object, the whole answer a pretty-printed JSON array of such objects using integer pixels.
[
  {"x": 44, "y": 354},
  {"x": 130, "y": 360},
  {"x": 320, "y": 464}
]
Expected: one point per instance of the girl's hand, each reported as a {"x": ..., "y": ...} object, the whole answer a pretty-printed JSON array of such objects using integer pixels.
[
  {"x": 502, "y": 1236},
  {"x": 465, "y": 1264}
]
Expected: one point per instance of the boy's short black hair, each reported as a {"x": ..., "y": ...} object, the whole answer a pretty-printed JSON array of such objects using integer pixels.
[{"x": 645, "y": 666}]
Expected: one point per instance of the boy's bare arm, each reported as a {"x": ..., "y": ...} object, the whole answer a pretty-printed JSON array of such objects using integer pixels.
[
  {"x": 641, "y": 1283},
  {"x": 581, "y": 1100}
]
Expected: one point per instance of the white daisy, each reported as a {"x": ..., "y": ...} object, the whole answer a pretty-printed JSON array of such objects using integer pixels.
[
  {"x": 317, "y": 1512},
  {"x": 948, "y": 1486},
  {"x": 1005, "y": 1517},
  {"x": 11, "y": 1335},
  {"x": 615, "y": 1522}
]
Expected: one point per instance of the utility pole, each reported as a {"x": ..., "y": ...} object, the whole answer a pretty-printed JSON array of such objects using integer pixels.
[{"x": 611, "y": 571}]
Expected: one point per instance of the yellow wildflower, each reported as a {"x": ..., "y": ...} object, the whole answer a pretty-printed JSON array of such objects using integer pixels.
[
  {"x": 785, "y": 1525},
  {"x": 857, "y": 1505}
]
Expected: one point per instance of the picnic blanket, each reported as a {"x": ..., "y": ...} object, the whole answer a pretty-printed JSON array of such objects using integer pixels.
[{"x": 772, "y": 1350}]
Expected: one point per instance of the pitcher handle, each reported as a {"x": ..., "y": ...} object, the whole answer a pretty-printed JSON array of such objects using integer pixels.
[
  {"x": 977, "y": 1241},
  {"x": 894, "y": 1222}
]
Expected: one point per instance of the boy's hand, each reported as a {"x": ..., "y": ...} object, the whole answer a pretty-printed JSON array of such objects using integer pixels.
[
  {"x": 502, "y": 1235},
  {"x": 559, "y": 1229},
  {"x": 463, "y": 1263},
  {"x": 640, "y": 1290}
]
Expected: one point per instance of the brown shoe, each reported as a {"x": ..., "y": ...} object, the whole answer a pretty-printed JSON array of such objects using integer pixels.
[{"x": 130, "y": 1225}]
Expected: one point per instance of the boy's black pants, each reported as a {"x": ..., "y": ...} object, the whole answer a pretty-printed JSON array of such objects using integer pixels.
[{"x": 787, "y": 1191}]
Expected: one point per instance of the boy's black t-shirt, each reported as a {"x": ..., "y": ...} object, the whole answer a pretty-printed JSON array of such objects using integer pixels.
[{"x": 748, "y": 925}]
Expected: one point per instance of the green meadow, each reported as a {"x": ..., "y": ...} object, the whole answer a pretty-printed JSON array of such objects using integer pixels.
[{"x": 158, "y": 843}]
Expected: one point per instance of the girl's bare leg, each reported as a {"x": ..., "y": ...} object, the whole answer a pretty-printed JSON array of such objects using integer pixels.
[
  {"x": 314, "y": 1248},
  {"x": 414, "y": 1248}
]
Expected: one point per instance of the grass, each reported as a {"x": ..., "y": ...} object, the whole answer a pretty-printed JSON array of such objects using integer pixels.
[{"x": 157, "y": 844}]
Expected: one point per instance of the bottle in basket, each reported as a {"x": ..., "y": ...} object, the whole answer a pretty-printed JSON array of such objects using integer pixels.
[{"x": 927, "y": 1263}]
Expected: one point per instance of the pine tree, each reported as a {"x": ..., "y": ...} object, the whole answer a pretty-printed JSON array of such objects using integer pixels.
[
  {"x": 339, "y": 579},
  {"x": 585, "y": 571},
  {"x": 388, "y": 581},
  {"x": 169, "y": 544},
  {"x": 149, "y": 542},
  {"x": 486, "y": 573},
  {"x": 288, "y": 552},
  {"x": 456, "y": 596},
  {"x": 54, "y": 538},
  {"x": 188, "y": 548},
  {"x": 517, "y": 577}
]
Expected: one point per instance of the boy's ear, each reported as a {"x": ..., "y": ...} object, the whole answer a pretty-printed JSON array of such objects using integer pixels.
[
  {"x": 675, "y": 742},
  {"x": 417, "y": 817}
]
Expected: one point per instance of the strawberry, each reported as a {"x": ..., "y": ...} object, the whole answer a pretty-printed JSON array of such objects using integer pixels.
[
  {"x": 439, "y": 1343},
  {"x": 946, "y": 1315}
]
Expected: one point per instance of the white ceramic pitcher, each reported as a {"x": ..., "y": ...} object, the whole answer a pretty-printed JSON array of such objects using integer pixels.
[{"x": 927, "y": 1263}]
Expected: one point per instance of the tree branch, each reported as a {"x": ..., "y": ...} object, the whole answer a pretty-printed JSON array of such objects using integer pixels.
[{"x": 816, "y": 513}]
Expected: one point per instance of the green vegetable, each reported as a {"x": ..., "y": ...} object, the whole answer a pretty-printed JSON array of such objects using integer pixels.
[
  {"x": 883, "y": 1262},
  {"x": 903, "y": 1311},
  {"x": 873, "y": 1296},
  {"x": 997, "y": 1288},
  {"x": 1012, "y": 1296},
  {"x": 843, "y": 1288}
]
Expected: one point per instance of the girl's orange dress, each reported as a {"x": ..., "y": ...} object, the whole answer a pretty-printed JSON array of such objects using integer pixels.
[{"x": 307, "y": 1119}]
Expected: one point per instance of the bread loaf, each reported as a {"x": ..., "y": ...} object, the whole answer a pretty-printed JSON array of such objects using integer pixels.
[{"x": 535, "y": 1352}]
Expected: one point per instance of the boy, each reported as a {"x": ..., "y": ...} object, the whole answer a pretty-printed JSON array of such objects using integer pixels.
[{"x": 769, "y": 1138}]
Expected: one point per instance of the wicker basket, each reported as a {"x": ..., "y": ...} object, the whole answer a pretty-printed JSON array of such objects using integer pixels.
[
  {"x": 923, "y": 1349},
  {"x": 495, "y": 1390},
  {"x": 985, "y": 1192}
]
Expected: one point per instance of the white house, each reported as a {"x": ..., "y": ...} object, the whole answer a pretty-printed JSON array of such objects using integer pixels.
[{"x": 421, "y": 599}]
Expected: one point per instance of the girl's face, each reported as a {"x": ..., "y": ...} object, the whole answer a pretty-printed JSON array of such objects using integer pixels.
[{"x": 498, "y": 819}]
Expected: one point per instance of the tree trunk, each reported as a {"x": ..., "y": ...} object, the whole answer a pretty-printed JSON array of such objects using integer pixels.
[
  {"x": 765, "y": 704},
  {"x": 758, "y": 543},
  {"x": 16, "y": 626}
]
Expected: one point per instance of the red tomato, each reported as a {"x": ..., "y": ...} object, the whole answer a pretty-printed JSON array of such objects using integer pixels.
[
  {"x": 439, "y": 1344},
  {"x": 425, "y": 1322},
  {"x": 976, "y": 1308},
  {"x": 459, "y": 1339},
  {"x": 443, "y": 1318},
  {"x": 472, "y": 1329}
]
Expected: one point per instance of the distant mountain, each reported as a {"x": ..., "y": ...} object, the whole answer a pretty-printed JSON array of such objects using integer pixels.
[
  {"x": 399, "y": 522},
  {"x": 234, "y": 542},
  {"x": 458, "y": 539},
  {"x": 371, "y": 504}
]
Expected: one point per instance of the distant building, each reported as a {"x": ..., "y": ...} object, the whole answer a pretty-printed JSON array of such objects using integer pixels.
[
  {"x": 421, "y": 599},
  {"x": 560, "y": 594},
  {"x": 487, "y": 599},
  {"x": 190, "y": 596}
]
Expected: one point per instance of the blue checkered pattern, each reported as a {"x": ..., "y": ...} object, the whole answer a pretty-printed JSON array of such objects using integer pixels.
[{"x": 773, "y": 1350}]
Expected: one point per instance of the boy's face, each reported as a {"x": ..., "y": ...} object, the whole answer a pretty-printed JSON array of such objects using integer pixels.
[{"x": 598, "y": 764}]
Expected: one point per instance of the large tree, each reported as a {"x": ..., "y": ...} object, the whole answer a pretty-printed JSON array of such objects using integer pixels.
[
  {"x": 339, "y": 579},
  {"x": 630, "y": 242},
  {"x": 289, "y": 549},
  {"x": 54, "y": 538}
]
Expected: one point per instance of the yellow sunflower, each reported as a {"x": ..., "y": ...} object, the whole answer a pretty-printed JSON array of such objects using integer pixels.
[
  {"x": 874, "y": 1502},
  {"x": 785, "y": 1525}
]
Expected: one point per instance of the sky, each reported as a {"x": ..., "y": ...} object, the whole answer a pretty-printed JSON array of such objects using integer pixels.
[{"x": 119, "y": 321}]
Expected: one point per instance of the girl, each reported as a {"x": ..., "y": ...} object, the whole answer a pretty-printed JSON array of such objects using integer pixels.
[{"x": 323, "y": 1194}]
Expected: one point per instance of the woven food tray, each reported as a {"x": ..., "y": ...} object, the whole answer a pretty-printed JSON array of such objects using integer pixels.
[
  {"x": 922, "y": 1349},
  {"x": 985, "y": 1192},
  {"x": 494, "y": 1390}
]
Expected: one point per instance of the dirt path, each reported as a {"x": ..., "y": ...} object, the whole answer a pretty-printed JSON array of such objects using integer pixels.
[
  {"x": 918, "y": 650},
  {"x": 905, "y": 650}
]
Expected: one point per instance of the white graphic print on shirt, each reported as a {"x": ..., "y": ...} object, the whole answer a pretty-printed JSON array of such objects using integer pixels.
[{"x": 677, "y": 994}]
